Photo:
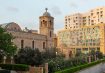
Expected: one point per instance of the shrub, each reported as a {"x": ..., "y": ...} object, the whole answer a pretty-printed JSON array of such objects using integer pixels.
[
  {"x": 75, "y": 69},
  {"x": 59, "y": 64},
  {"x": 29, "y": 56},
  {"x": 16, "y": 67}
]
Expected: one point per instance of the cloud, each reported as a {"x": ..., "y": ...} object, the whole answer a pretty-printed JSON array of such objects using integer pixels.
[
  {"x": 56, "y": 10},
  {"x": 12, "y": 9},
  {"x": 91, "y": 1},
  {"x": 73, "y": 5}
]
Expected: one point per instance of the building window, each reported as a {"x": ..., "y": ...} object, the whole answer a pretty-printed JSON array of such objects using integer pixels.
[
  {"x": 97, "y": 12},
  {"x": 43, "y": 45},
  {"x": 22, "y": 43},
  {"x": 98, "y": 49},
  {"x": 101, "y": 12},
  {"x": 15, "y": 28},
  {"x": 101, "y": 15},
  {"x": 50, "y": 34},
  {"x": 92, "y": 21},
  {"x": 65, "y": 22},
  {"x": 91, "y": 14},
  {"x": 66, "y": 26},
  {"x": 84, "y": 17},
  {"x": 32, "y": 44},
  {"x": 101, "y": 22},
  {"x": 45, "y": 23},
  {"x": 65, "y": 19},
  {"x": 50, "y": 22}
]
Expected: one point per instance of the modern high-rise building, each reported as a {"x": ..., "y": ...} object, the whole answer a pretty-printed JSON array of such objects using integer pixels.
[
  {"x": 83, "y": 32},
  {"x": 92, "y": 17}
]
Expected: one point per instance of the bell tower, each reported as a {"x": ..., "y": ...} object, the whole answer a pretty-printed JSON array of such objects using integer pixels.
[{"x": 46, "y": 23}]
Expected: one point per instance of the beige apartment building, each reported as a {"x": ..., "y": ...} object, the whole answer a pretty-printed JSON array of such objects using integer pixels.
[
  {"x": 83, "y": 32},
  {"x": 73, "y": 21},
  {"x": 83, "y": 40},
  {"x": 92, "y": 17}
]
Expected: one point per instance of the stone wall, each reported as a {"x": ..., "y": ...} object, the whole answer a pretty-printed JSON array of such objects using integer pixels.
[
  {"x": 28, "y": 38},
  {"x": 36, "y": 70},
  {"x": 33, "y": 69}
]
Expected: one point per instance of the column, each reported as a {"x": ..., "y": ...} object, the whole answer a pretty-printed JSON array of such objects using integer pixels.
[
  {"x": 95, "y": 57},
  {"x": 11, "y": 59},
  {"x": 89, "y": 59},
  {"x": 46, "y": 67},
  {"x": 4, "y": 60}
]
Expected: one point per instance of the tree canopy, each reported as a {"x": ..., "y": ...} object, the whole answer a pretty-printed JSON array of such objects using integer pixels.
[
  {"x": 6, "y": 44},
  {"x": 29, "y": 56}
]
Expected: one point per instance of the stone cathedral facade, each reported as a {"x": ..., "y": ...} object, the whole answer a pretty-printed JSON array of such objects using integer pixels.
[{"x": 31, "y": 38}]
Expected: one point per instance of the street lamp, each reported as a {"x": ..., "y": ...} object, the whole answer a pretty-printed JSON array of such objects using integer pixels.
[
  {"x": 56, "y": 54},
  {"x": 4, "y": 59},
  {"x": 12, "y": 59}
]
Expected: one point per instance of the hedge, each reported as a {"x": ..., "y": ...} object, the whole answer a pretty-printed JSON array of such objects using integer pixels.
[
  {"x": 16, "y": 67},
  {"x": 78, "y": 68}
]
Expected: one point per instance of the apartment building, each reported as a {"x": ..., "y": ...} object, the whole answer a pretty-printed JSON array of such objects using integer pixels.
[
  {"x": 73, "y": 21},
  {"x": 92, "y": 17},
  {"x": 83, "y": 40}
]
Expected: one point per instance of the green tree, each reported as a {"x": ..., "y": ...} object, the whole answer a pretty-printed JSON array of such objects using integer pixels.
[
  {"x": 1, "y": 55},
  {"x": 29, "y": 56},
  {"x": 6, "y": 44},
  {"x": 49, "y": 53},
  {"x": 92, "y": 52},
  {"x": 99, "y": 54},
  {"x": 78, "y": 53}
]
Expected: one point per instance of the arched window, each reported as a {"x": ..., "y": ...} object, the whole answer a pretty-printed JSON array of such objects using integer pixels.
[
  {"x": 45, "y": 23},
  {"x": 50, "y": 21},
  {"x": 32, "y": 44},
  {"x": 22, "y": 43},
  {"x": 44, "y": 45},
  {"x": 50, "y": 24},
  {"x": 50, "y": 34},
  {"x": 43, "y": 20}
]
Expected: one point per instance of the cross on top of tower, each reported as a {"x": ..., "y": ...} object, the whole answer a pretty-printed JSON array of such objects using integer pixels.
[
  {"x": 46, "y": 9},
  {"x": 46, "y": 13}
]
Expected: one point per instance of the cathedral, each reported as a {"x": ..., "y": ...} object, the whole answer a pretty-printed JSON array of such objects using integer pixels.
[{"x": 31, "y": 38}]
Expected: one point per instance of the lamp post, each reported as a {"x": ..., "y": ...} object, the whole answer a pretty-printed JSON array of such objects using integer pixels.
[
  {"x": 11, "y": 59},
  {"x": 4, "y": 59},
  {"x": 56, "y": 54}
]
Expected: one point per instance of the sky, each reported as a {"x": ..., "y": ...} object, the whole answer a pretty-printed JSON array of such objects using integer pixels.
[{"x": 26, "y": 12}]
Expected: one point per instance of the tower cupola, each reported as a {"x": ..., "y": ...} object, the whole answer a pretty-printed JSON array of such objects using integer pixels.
[{"x": 46, "y": 13}]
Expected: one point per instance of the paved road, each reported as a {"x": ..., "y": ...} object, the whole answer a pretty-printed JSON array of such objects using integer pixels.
[{"x": 13, "y": 72}]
